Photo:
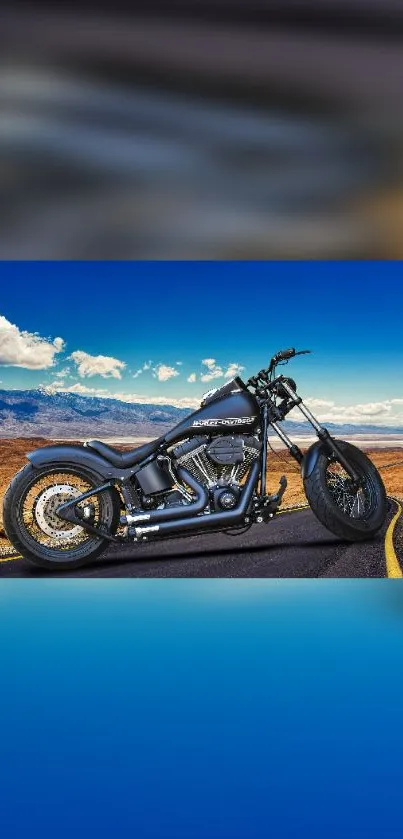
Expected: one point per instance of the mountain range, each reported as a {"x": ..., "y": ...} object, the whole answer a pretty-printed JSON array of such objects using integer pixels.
[
  {"x": 33, "y": 413},
  {"x": 39, "y": 413}
]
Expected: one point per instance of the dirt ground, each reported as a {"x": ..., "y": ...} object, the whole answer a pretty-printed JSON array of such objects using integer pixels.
[
  {"x": 392, "y": 478},
  {"x": 12, "y": 458}
]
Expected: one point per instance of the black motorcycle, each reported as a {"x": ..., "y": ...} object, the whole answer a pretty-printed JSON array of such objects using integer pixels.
[{"x": 206, "y": 474}]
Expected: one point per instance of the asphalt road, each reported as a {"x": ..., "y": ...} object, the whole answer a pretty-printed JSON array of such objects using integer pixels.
[{"x": 292, "y": 545}]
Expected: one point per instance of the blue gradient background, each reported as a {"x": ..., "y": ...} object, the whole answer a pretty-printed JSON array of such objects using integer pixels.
[{"x": 201, "y": 708}]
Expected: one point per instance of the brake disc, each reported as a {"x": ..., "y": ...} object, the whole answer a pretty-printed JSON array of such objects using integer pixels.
[{"x": 46, "y": 516}]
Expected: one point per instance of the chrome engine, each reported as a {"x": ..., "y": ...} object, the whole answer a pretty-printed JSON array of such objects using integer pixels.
[{"x": 201, "y": 459}]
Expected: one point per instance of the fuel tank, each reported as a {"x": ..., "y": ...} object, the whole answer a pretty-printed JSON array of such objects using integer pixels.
[{"x": 236, "y": 412}]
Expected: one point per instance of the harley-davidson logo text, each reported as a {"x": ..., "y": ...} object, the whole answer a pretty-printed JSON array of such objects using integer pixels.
[{"x": 227, "y": 421}]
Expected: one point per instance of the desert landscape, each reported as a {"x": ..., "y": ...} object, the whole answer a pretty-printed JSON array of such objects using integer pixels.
[{"x": 13, "y": 457}]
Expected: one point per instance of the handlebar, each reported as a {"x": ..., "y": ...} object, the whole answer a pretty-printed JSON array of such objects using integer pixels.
[
  {"x": 284, "y": 355},
  {"x": 265, "y": 376}
]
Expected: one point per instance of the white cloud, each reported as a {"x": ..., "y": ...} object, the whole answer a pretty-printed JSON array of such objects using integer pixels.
[
  {"x": 63, "y": 373},
  {"x": 146, "y": 366},
  {"x": 163, "y": 372},
  {"x": 318, "y": 403},
  {"x": 214, "y": 370},
  {"x": 97, "y": 365},
  {"x": 233, "y": 370},
  {"x": 192, "y": 378},
  {"x": 373, "y": 409},
  {"x": 26, "y": 349},
  {"x": 363, "y": 413},
  {"x": 214, "y": 374}
]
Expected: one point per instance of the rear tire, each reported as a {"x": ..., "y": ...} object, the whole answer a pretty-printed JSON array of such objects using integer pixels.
[
  {"x": 327, "y": 503},
  {"x": 30, "y": 531}
]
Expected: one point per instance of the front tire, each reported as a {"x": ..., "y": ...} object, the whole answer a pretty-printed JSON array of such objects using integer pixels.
[
  {"x": 33, "y": 527},
  {"x": 350, "y": 515}
]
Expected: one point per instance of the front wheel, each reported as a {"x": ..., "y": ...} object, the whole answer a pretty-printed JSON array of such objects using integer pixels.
[
  {"x": 33, "y": 526},
  {"x": 345, "y": 512}
]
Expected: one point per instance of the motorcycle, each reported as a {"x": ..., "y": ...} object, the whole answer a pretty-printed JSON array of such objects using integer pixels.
[{"x": 207, "y": 474}]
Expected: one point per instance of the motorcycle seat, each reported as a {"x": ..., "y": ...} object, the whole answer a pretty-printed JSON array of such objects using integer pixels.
[{"x": 124, "y": 459}]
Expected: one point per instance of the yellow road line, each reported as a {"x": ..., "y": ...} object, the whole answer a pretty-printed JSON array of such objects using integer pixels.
[
  {"x": 393, "y": 569},
  {"x": 292, "y": 509},
  {"x": 10, "y": 558}
]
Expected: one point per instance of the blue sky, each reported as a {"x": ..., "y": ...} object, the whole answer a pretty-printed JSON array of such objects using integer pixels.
[{"x": 165, "y": 319}]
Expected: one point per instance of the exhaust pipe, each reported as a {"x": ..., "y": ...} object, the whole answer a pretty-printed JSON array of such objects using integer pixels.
[
  {"x": 174, "y": 513},
  {"x": 196, "y": 523}
]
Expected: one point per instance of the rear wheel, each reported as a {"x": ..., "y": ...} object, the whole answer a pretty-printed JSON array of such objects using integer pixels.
[
  {"x": 33, "y": 526},
  {"x": 350, "y": 514}
]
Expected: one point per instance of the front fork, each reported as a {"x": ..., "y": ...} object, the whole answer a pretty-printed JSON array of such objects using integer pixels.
[
  {"x": 265, "y": 506},
  {"x": 322, "y": 433}
]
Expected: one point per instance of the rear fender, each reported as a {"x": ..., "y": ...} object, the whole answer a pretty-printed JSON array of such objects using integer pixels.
[{"x": 78, "y": 455}]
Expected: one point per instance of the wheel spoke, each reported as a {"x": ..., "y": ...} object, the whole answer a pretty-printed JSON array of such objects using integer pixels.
[{"x": 352, "y": 503}]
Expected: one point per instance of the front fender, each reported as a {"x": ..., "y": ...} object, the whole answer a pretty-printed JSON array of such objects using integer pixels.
[
  {"x": 79, "y": 455},
  {"x": 311, "y": 458}
]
